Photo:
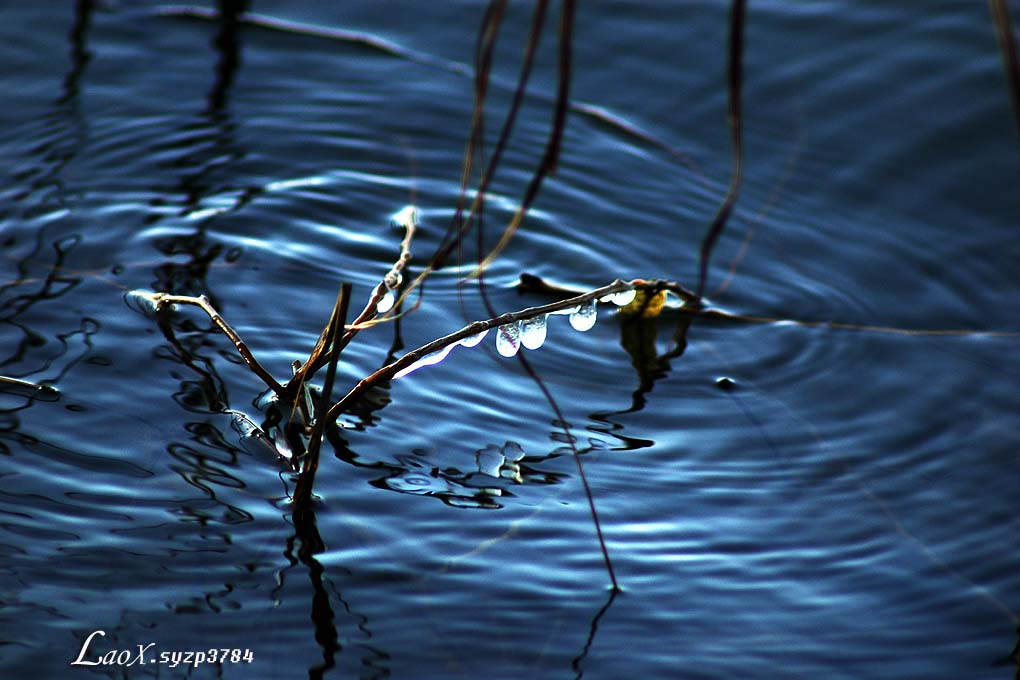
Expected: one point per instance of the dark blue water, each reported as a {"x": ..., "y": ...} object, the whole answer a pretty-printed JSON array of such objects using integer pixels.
[{"x": 846, "y": 510}]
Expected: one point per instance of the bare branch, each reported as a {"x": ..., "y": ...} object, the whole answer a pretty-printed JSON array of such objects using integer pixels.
[
  {"x": 408, "y": 219},
  {"x": 311, "y": 463},
  {"x": 389, "y": 370},
  {"x": 161, "y": 300}
]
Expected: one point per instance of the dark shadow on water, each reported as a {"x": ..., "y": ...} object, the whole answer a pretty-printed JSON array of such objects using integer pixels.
[
  {"x": 198, "y": 151},
  {"x": 639, "y": 337},
  {"x": 301, "y": 548},
  {"x": 1013, "y": 658},
  {"x": 227, "y": 42},
  {"x": 208, "y": 395},
  {"x": 577, "y": 665},
  {"x": 42, "y": 274},
  {"x": 80, "y": 53},
  {"x": 33, "y": 353}
]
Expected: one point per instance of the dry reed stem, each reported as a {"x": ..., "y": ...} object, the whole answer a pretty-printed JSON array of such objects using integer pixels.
[
  {"x": 735, "y": 77},
  {"x": 24, "y": 387},
  {"x": 303, "y": 492}
]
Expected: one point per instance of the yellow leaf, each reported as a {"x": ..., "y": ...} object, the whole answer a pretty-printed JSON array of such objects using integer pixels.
[{"x": 645, "y": 306}]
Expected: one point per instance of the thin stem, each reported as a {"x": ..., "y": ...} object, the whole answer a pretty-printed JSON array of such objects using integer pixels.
[
  {"x": 551, "y": 156},
  {"x": 464, "y": 224},
  {"x": 319, "y": 355},
  {"x": 311, "y": 465},
  {"x": 735, "y": 79},
  {"x": 580, "y": 468},
  {"x": 161, "y": 300},
  {"x": 389, "y": 370}
]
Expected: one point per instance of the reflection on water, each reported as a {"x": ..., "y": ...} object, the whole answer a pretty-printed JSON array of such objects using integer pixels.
[
  {"x": 774, "y": 495},
  {"x": 481, "y": 487}
]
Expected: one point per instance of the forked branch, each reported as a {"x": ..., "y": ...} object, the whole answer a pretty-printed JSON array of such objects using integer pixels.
[{"x": 159, "y": 302}]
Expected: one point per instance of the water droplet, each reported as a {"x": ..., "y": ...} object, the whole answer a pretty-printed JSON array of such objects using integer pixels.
[
  {"x": 568, "y": 310},
  {"x": 406, "y": 217},
  {"x": 511, "y": 469},
  {"x": 623, "y": 298},
  {"x": 141, "y": 301},
  {"x": 533, "y": 332},
  {"x": 473, "y": 340},
  {"x": 583, "y": 317},
  {"x": 508, "y": 339},
  {"x": 386, "y": 303},
  {"x": 427, "y": 360}
]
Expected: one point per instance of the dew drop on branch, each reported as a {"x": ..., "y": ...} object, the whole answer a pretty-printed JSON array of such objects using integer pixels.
[
  {"x": 386, "y": 303},
  {"x": 508, "y": 339},
  {"x": 533, "y": 331},
  {"x": 473, "y": 340},
  {"x": 406, "y": 217},
  {"x": 583, "y": 318},
  {"x": 623, "y": 298},
  {"x": 427, "y": 360}
]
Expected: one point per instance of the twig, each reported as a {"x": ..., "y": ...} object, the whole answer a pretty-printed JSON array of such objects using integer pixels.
[
  {"x": 482, "y": 67},
  {"x": 550, "y": 157},
  {"x": 319, "y": 355},
  {"x": 389, "y": 370},
  {"x": 161, "y": 300},
  {"x": 311, "y": 463},
  {"x": 370, "y": 41},
  {"x": 763, "y": 211},
  {"x": 529, "y": 283}
]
